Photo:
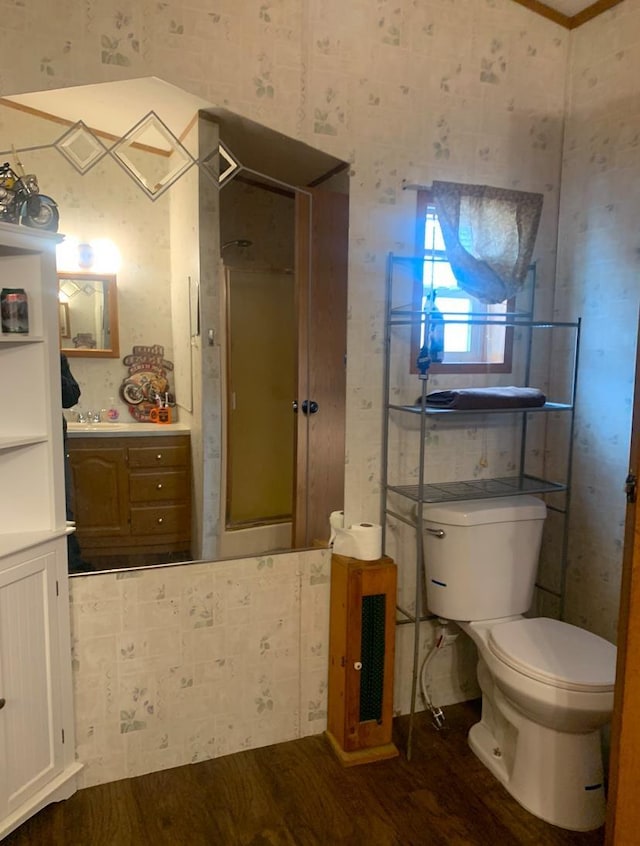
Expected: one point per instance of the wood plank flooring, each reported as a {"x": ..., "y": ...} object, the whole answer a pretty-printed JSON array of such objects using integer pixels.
[{"x": 297, "y": 794}]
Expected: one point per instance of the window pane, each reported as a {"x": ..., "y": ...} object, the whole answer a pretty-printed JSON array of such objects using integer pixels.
[
  {"x": 466, "y": 345},
  {"x": 438, "y": 274},
  {"x": 433, "y": 239},
  {"x": 457, "y": 336}
]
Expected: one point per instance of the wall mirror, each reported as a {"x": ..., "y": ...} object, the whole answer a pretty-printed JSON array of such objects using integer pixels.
[
  {"x": 199, "y": 199},
  {"x": 88, "y": 306}
]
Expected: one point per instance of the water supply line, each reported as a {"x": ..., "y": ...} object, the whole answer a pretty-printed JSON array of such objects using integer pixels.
[
  {"x": 237, "y": 242},
  {"x": 443, "y": 639}
]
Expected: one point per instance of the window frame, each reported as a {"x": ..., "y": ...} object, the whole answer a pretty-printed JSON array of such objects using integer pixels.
[{"x": 425, "y": 201}]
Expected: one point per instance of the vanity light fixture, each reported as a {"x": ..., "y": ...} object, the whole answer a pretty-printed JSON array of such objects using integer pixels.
[
  {"x": 86, "y": 256},
  {"x": 100, "y": 255}
]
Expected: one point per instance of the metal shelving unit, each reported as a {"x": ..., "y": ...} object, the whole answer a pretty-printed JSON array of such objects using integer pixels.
[{"x": 424, "y": 490}]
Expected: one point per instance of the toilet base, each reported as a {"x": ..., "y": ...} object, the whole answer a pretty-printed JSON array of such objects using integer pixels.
[{"x": 557, "y": 776}]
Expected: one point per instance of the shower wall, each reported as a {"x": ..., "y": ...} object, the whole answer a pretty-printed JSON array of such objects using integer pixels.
[
  {"x": 260, "y": 369},
  {"x": 261, "y": 373}
]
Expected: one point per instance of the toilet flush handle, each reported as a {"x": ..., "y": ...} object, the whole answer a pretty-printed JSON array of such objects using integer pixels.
[{"x": 437, "y": 533}]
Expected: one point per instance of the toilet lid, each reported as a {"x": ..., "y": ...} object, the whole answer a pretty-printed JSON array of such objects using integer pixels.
[{"x": 556, "y": 653}]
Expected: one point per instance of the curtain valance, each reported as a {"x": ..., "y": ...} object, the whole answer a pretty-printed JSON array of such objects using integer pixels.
[{"x": 489, "y": 234}]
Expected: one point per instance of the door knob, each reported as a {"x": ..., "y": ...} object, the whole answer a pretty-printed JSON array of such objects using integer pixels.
[
  {"x": 3, "y": 702},
  {"x": 307, "y": 406},
  {"x": 630, "y": 487}
]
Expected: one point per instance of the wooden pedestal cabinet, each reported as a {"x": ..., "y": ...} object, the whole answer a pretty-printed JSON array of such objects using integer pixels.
[
  {"x": 361, "y": 657},
  {"x": 131, "y": 495}
]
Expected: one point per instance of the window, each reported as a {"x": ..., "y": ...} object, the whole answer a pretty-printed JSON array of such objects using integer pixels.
[{"x": 468, "y": 347}]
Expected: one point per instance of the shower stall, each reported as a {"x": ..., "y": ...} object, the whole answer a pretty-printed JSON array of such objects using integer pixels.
[{"x": 260, "y": 374}]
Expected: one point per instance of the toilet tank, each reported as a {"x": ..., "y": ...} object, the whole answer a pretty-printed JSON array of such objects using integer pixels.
[{"x": 481, "y": 556}]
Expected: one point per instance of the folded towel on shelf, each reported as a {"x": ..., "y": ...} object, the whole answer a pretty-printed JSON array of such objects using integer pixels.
[{"x": 480, "y": 398}]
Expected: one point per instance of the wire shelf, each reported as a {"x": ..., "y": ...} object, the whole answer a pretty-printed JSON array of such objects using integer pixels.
[
  {"x": 430, "y": 409},
  {"x": 478, "y": 489}
]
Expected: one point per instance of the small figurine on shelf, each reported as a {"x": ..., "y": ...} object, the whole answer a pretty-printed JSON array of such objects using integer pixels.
[{"x": 22, "y": 202}]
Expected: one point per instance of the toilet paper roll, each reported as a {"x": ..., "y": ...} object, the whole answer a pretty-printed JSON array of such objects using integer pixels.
[
  {"x": 336, "y": 521},
  {"x": 362, "y": 541}
]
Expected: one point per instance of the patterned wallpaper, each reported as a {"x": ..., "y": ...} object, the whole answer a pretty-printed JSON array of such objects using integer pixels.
[
  {"x": 598, "y": 265},
  {"x": 407, "y": 92},
  {"x": 105, "y": 203}
]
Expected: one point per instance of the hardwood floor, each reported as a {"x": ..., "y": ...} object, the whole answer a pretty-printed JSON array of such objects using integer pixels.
[{"x": 298, "y": 794}]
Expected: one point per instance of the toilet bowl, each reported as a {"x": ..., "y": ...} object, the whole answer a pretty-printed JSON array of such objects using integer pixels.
[
  {"x": 542, "y": 712},
  {"x": 547, "y": 686}
]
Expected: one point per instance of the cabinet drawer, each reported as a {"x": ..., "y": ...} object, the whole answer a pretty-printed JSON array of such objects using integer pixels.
[
  {"x": 158, "y": 487},
  {"x": 159, "y": 456},
  {"x": 160, "y": 520}
]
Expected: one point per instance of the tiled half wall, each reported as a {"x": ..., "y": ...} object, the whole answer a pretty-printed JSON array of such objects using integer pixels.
[{"x": 178, "y": 664}]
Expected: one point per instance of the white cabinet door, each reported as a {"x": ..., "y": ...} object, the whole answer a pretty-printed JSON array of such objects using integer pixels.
[{"x": 31, "y": 740}]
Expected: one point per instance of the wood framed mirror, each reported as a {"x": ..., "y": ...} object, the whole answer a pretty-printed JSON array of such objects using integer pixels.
[
  {"x": 194, "y": 219},
  {"x": 88, "y": 315}
]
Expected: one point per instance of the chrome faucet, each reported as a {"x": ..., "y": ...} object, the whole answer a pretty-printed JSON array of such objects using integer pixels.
[{"x": 88, "y": 417}]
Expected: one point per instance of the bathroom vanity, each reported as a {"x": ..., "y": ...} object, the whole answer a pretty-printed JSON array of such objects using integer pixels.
[{"x": 131, "y": 492}]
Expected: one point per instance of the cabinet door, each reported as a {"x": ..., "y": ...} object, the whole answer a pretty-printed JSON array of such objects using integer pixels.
[
  {"x": 30, "y": 720},
  {"x": 100, "y": 496}
]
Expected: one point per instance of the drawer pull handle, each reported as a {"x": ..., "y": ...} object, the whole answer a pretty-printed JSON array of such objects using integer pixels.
[
  {"x": 3, "y": 702},
  {"x": 160, "y": 519},
  {"x": 159, "y": 456},
  {"x": 159, "y": 486}
]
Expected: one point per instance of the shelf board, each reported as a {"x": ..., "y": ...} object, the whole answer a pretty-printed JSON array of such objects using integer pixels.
[
  {"x": 18, "y": 240},
  {"x": 431, "y": 409},
  {"x": 402, "y": 315},
  {"x": 12, "y": 542},
  {"x": 478, "y": 489},
  {"x": 18, "y": 441},
  {"x": 407, "y": 311},
  {"x": 17, "y": 339}
]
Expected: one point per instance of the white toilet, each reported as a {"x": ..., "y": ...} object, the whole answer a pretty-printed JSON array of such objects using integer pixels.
[{"x": 547, "y": 686}]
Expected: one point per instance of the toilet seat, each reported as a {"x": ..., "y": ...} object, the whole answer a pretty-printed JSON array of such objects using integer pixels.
[{"x": 555, "y": 653}]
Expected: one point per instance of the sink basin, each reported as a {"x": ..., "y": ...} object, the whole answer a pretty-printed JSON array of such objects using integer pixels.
[
  {"x": 94, "y": 427},
  {"x": 127, "y": 429}
]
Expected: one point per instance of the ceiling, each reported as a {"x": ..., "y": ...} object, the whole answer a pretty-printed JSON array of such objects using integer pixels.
[
  {"x": 113, "y": 108},
  {"x": 569, "y": 13},
  {"x": 569, "y": 7}
]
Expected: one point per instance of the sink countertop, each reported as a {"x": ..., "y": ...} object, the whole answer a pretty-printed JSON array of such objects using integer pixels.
[{"x": 124, "y": 430}]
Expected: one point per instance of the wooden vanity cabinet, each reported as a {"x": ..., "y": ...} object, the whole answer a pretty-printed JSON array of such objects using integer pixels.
[
  {"x": 131, "y": 496},
  {"x": 99, "y": 490}
]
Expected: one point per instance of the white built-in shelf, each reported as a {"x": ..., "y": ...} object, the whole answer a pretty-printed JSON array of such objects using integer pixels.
[
  {"x": 16, "y": 339},
  {"x": 19, "y": 541},
  {"x": 19, "y": 441}
]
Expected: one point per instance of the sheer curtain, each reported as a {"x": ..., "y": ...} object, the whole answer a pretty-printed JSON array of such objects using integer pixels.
[{"x": 489, "y": 234}]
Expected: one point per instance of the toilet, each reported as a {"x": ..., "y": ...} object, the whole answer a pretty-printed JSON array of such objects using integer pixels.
[{"x": 547, "y": 686}]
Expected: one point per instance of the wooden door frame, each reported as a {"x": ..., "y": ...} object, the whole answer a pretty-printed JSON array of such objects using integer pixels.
[
  {"x": 321, "y": 263},
  {"x": 623, "y": 808},
  {"x": 303, "y": 246}
]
